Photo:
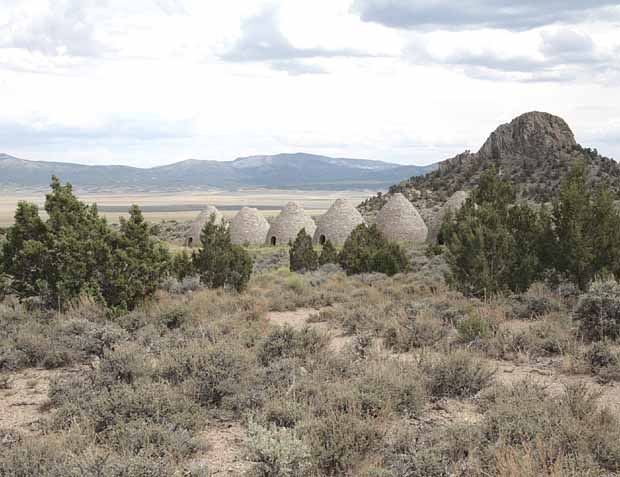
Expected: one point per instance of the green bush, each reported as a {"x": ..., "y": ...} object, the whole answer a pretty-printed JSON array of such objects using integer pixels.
[
  {"x": 496, "y": 244},
  {"x": 598, "y": 311},
  {"x": 220, "y": 263},
  {"x": 137, "y": 267},
  {"x": 181, "y": 266},
  {"x": 328, "y": 254},
  {"x": 473, "y": 328},
  {"x": 493, "y": 245},
  {"x": 74, "y": 253},
  {"x": 366, "y": 251},
  {"x": 302, "y": 255}
]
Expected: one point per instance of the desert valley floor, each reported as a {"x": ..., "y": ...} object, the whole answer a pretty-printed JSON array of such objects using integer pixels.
[{"x": 185, "y": 206}]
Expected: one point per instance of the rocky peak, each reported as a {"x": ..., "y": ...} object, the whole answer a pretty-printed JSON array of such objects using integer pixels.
[{"x": 529, "y": 134}]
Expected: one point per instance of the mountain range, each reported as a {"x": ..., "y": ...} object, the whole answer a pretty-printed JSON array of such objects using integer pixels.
[{"x": 281, "y": 171}]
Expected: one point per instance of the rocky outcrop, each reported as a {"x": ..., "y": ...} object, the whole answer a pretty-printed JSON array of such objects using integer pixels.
[
  {"x": 529, "y": 135},
  {"x": 535, "y": 152}
]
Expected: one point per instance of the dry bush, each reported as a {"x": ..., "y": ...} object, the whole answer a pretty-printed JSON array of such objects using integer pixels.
[
  {"x": 338, "y": 440},
  {"x": 554, "y": 335},
  {"x": 474, "y": 328},
  {"x": 535, "y": 303},
  {"x": 390, "y": 386},
  {"x": 285, "y": 342},
  {"x": 218, "y": 375},
  {"x": 458, "y": 374},
  {"x": 579, "y": 438},
  {"x": 277, "y": 451},
  {"x": 603, "y": 362},
  {"x": 415, "y": 327},
  {"x": 64, "y": 456},
  {"x": 434, "y": 452},
  {"x": 53, "y": 341},
  {"x": 598, "y": 311},
  {"x": 551, "y": 335},
  {"x": 161, "y": 372}
]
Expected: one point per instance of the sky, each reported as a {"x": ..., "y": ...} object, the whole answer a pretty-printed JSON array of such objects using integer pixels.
[{"x": 151, "y": 82}]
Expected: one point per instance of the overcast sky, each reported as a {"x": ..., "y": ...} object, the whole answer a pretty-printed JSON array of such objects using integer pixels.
[{"x": 149, "y": 82}]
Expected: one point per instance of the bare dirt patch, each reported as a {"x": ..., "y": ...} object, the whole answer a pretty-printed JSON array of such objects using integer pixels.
[
  {"x": 298, "y": 319},
  {"x": 224, "y": 453},
  {"x": 451, "y": 411},
  {"x": 22, "y": 404},
  {"x": 545, "y": 374}
]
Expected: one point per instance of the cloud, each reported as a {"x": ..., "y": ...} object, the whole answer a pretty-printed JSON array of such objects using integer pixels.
[
  {"x": 296, "y": 67},
  {"x": 120, "y": 128},
  {"x": 476, "y": 14},
  {"x": 563, "y": 55},
  {"x": 262, "y": 41},
  {"x": 68, "y": 27},
  {"x": 73, "y": 28},
  {"x": 171, "y": 7},
  {"x": 567, "y": 46}
]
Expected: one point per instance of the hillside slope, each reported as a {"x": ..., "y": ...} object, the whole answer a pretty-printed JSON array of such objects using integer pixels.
[
  {"x": 534, "y": 151},
  {"x": 299, "y": 171}
]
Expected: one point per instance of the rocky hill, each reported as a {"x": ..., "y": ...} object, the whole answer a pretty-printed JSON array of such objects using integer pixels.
[
  {"x": 282, "y": 171},
  {"x": 534, "y": 151}
]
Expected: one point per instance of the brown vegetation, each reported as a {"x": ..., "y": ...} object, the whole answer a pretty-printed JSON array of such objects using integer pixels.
[{"x": 310, "y": 374}]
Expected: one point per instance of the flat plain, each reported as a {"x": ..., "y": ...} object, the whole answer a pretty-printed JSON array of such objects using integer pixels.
[{"x": 184, "y": 206}]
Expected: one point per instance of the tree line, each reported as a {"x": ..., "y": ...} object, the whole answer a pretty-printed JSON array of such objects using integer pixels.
[
  {"x": 496, "y": 244},
  {"x": 75, "y": 253}
]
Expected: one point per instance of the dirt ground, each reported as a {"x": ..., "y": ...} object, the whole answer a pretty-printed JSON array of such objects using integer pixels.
[
  {"x": 224, "y": 454},
  {"x": 298, "y": 319},
  {"x": 22, "y": 402}
]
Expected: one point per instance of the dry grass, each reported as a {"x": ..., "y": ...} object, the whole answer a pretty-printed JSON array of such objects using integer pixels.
[{"x": 315, "y": 374}]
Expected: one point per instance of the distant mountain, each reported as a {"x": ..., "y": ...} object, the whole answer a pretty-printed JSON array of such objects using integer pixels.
[
  {"x": 282, "y": 171},
  {"x": 535, "y": 152}
]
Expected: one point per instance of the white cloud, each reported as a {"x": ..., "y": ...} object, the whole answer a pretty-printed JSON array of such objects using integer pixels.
[
  {"x": 65, "y": 27},
  {"x": 477, "y": 14},
  {"x": 560, "y": 55},
  {"x": 149, "y": 82},
  {"x": 262, "y": 40}
]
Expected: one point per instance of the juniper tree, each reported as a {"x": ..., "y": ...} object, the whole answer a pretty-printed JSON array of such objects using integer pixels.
[
  {"x": 220, "y": 263},
  {"x": 366, "y": 250},
  {"x": 138, "y": 264},
  {"x": 493, "y": 245},
  {"x": 74, "y": 253},
  {"x": 572, "y": 227},
  {"x": 302, "y": 255},
  {"x": 328, "y": 254}
]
